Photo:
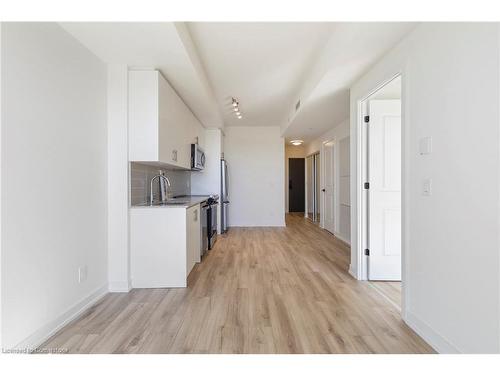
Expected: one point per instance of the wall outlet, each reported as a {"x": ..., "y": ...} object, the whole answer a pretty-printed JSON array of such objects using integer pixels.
[{"x": 82, "y": 274}]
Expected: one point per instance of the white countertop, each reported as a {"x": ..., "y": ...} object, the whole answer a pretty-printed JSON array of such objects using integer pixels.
[{"x": 183, "y": 202}]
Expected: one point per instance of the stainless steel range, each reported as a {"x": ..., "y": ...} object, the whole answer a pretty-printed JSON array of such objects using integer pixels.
[{"x": 212, "y": 203}]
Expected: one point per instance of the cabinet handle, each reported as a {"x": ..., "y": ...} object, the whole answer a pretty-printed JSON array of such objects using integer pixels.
[
  {"x": 195, "y": 215},
  {"x": 174, "y": 155}
]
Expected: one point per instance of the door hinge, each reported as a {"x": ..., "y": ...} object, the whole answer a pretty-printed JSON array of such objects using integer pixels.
[
  {"x": 367, "y": 185},
  {"x": 367, "y": 119},
  {"x": 367, "y": 252}
]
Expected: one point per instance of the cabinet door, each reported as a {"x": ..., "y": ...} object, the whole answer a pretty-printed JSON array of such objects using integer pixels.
[
  {"x": 184, "y": 134},
  {"x": 169, "y": 121},
  {"x": 193, "y": 226},
  {"x": 161, "y": 126},
  {"x": 143, "y": 115},
  {"x": 175, "y": 124}
]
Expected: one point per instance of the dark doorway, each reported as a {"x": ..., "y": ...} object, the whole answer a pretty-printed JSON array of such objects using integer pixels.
[{"x": 296, "y": 184}]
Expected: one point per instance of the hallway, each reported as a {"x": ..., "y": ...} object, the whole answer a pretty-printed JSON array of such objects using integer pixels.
[{"x": 260, "y": 290}]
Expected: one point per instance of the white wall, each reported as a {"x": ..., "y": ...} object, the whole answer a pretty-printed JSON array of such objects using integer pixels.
[
  {"x": 291, "y": 152},
  {"x": 208, "y": 180},
  {"x": 343, "y": 196},
  {"x": 1, "y": 152},
  {"x": 118, "y": 179},
  {"x": 450, "y": 77},
  {"x": 256, "y": 164},
  {"x": 338, "y": 134},
  {"x": 53, "y": 180}
]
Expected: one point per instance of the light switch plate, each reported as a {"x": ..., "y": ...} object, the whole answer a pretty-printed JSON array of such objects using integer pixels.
[
  {"x": 425, "y": 146},
  {"x": 427, "y": 187}
]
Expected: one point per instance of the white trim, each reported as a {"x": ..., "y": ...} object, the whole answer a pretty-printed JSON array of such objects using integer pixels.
[
  {"x": 362, "y": 168},
  {"x": 119, "y": 286},
  {"x": 306, "y": 191},
  {"x": 1, "y": 242},
  {"x": 45, "y": 332},
  {"x": 498, "y": 226},
  {"x": 360, "y": 203},
  {"x": 362, "y": 110},
  {"x": 340, "y": 237},
  {"x": 351, "y": 272},
  {"x": 434, "y": 339},
  {"x": 360, "y": 224},
  {"x": 336, "y": 181},
  {"x": 384, "y": 296}
]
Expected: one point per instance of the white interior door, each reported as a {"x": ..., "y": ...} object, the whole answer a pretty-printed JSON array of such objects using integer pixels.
[
  {"x": 384, "y": 194},
  {"x": 328, "y": 189}
]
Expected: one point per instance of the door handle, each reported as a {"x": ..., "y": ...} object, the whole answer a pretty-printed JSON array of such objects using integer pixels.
[{"x": 290, "y": 184}]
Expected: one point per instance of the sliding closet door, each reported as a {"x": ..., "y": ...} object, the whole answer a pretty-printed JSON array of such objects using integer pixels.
[
  {"x": 313, "y": 187},
  {"x": 310, "y": 186},
  {"x": 317, "y": 187}
]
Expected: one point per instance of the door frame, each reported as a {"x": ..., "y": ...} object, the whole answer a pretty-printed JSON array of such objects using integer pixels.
[
  {"x": 322, "y": 183},
  {"x": 361, "y": 193},
  {"x": 306, "y": 190}
]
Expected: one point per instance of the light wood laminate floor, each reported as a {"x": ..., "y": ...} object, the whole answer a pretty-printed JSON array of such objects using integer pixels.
[
  {"x": 260, "y": 290},
  {"x": 390, "y": 290}
]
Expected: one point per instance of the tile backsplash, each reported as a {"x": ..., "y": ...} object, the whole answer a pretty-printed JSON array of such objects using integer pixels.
[{"x": 141, "y": 174}]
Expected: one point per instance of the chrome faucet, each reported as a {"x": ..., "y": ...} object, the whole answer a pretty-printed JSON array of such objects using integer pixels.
[{"x": 159, "y": 176}]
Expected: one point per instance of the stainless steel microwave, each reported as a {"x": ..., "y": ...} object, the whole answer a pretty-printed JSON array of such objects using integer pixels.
[{"x": 197, "y": 157}]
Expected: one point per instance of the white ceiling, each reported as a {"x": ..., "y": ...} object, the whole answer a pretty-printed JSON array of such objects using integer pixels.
[
  {"x": 351, "y": 50},
  {"x": 260, "y": 64},
  {"x": 153, "y": 45},
  {"x": 268, "y": 67}
]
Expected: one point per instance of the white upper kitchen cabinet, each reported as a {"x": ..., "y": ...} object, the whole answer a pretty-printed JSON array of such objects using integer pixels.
[{"x": 161, "y": 126}]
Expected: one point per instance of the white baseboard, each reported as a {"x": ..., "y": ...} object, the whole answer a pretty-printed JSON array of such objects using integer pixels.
[
  {"x": 119, "y": 286},
  {"x": 434, "y": 339},
  {"x": 340, "y": 237},
  {"x": 352, "y": 273},
  {"x": 44, "y": 333}
]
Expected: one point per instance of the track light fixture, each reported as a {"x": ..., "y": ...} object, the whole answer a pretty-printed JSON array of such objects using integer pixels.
[{"x": 236, "y": 108}]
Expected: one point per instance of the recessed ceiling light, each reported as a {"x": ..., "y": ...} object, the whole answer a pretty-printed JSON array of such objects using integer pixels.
[
  {"x": 238, "y": 113},
  {"x": 240, "y": 116},
  {"x": 234, "y": 102},
  {"x": 297, "y": 142},
  {"x": 235, "y": 109}
]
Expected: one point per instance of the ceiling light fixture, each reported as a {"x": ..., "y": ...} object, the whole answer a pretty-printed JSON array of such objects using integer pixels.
[
  {"x": 297, "y": 142},
  {"x": 236, "y": 108}
]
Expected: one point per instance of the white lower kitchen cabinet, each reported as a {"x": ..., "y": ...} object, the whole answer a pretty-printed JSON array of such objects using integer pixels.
[{"x": 164, "y": 245}]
